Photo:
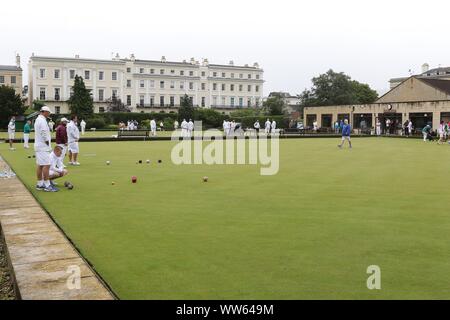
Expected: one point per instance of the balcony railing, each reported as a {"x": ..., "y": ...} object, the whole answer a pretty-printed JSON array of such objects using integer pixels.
[{"x": 227, "y": 106}]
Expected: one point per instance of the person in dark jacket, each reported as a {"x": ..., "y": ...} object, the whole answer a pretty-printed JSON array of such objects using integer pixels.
[{"x": 61, "y": 137}]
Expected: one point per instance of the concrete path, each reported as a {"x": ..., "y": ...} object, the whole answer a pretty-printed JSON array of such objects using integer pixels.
[{"x": 45, "y": 263}]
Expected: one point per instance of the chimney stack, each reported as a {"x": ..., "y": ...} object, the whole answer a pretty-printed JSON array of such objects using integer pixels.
[{"x": 18, "y": 61}]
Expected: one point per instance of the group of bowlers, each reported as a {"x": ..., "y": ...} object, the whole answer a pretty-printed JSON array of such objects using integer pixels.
[
  {"x": 269, "y": 126},
  {"x": 50, "y": 161},
  {"x": 443, "y": 132}
]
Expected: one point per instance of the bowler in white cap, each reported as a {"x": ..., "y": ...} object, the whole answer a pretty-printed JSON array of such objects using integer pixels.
[{"x": 42, "y": 148}]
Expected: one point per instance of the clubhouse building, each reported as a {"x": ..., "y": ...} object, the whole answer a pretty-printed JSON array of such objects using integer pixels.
[
  {"x": 419, "y": 99},
  {"x": 146, "y": 85}
]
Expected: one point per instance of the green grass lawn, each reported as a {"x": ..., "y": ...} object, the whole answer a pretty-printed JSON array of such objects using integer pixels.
[
  {"x": 88, "y": 134},
  {"x": 308, "y": 232}
]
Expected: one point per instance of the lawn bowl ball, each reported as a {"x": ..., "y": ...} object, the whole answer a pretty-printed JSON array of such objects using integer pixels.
[
  {"x": 70, "y": 186},
  {"x": 34, "y": 156},
  {"x": 108, "y": 162},
  {"x": 159, "y": 161},
  {"x": 133, "y": 179},
  {"x": 148, "y": 161},
  {"x": 113, "y": 183},
  {"x": 140, "y": 161},
  {"x": 29, "y": 157},
  {"x": 66, "y": 184},
  {"x": 205, "y": 179}
]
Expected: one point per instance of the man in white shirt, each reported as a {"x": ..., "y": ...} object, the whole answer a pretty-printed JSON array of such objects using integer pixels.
[
  {"x": 378, "y": 127},
  {"x": 73, "y": 136},
  {"x": 42, "y": 148},
  {"x": 388, "y": 126},
  {"x": 56, "y": 165},
  {"x": 226, "y": 127},
  {"x": 410, "y": 127},
  {"x": 153, "y": 127},
  {"x": 274, "y": 126},
  {"x": 190, "y": 128},
  {"x": 51, "y": 125},
  {"x": 11, "y": 132},
  {"x": 184, "y": 126},
  {"x": 257, "y": 126},
  {"x": 83, "y": 127},
  {"x": 175, "y": 125},
  {"x": 267, "y": 126}
]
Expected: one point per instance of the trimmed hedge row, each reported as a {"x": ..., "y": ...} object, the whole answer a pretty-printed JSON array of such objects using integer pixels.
[{"x": 210, "y": 119}]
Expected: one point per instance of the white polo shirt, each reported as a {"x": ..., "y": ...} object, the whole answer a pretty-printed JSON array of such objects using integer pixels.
[{"x": 42, "y": 135}]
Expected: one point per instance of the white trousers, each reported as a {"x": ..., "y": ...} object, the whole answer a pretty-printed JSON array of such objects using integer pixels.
[{"x": 26, "y": 138}]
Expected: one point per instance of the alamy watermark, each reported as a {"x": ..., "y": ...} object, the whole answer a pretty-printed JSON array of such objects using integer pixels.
[
  {"x": 74, "y": 279},
  {"x": 374, "y": 280},
  {"x": 211, "y": 147}
]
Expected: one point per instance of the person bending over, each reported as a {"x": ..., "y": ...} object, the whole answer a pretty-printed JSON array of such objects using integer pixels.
[{"x": 56, "y": 165}]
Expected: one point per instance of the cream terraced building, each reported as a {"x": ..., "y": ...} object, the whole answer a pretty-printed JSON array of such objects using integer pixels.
[
  {"x": 146, "y": 85},
  {"x": 12, "y": 76}
]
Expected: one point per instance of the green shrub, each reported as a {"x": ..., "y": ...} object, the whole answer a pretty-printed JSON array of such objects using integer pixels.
[
  {"x": 168, "y": 123},
  {"x": 145, "y": 124},
  {"x": 112, "y": 127},
  {"x": 95, "y": 122},
  {"x": 209, "y": 117}
]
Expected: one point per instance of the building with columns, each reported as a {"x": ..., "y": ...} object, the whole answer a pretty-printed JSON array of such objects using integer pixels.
[
  {"x": 418, "y": 99},
  {"x": 146, "y": 85}
]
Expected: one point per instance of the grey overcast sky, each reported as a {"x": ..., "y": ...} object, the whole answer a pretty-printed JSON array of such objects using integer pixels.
[{"x": 293, "y": 41}]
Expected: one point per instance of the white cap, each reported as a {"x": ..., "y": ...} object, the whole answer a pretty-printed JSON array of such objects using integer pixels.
[
  {"x": 45, "y": 108},
  {"x": 64, "y": 120}
]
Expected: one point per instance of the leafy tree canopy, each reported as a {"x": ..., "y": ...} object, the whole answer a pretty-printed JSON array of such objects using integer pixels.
[
  {"x": 274, "y": 105},
  {"x": 11, "y": 104},
  {"x": 333, "y": 88}
]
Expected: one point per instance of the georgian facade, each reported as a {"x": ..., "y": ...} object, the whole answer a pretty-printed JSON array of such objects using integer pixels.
[
  {"x": 12, "y": 76},
  {"x": 146, "y": 85}
]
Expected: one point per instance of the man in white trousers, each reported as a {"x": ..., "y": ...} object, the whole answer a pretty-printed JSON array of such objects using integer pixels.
[
  {"x": 273, "y": 126},
  {"x": 26, "y": 134},
  {"x": 184, "y": 127},
  {"x": 153, "y": 127},
  {"x": 83, "y": 126},
  {"x": 73, "y": 136},
  {"x": 11, "y": 132},
  {"x": 190, "y": 128},
  {"x": 267, "y": 126},
  {"x": 378, "y": 125},
  {"x": 42, "y": 148}
]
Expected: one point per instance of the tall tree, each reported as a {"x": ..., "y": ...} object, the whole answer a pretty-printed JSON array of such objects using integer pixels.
[
  {"x": 274, "y": 105},
  {"x": 186, "y": 110},
  {"x": 332, "y": 88},
  {"x": 81, "y": 103},
  {"x": 10, "y": 103}
]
